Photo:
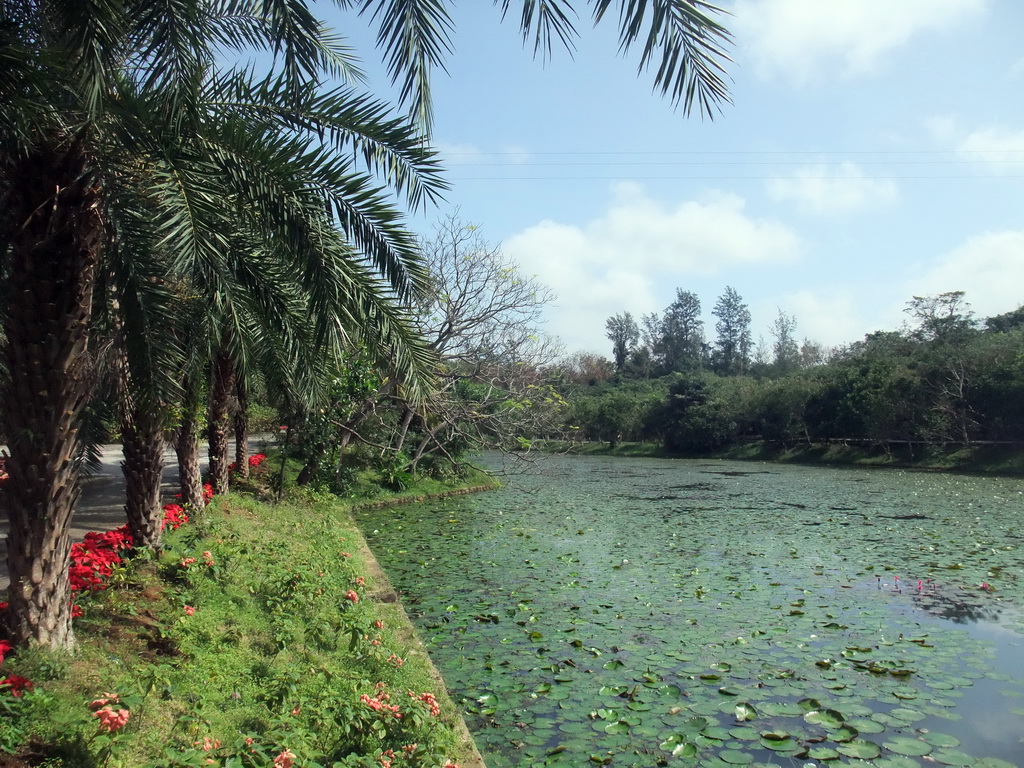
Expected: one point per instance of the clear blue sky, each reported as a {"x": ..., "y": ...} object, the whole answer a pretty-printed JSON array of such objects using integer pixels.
[{"x": 874, "y": 151}]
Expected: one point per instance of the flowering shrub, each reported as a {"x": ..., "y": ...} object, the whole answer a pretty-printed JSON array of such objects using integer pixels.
[
  {"x": 111, "y": 719},
  {"x": 93, "y": 559},
  {"x": 174, "y": 517}
]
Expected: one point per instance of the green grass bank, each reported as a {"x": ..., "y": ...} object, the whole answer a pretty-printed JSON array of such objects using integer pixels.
[
  {"x": 981, "y": 459},
  {"x": 262, "y": 635}
]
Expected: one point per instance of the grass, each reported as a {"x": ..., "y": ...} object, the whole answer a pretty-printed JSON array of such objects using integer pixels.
[{"x": 260, "y": 628}]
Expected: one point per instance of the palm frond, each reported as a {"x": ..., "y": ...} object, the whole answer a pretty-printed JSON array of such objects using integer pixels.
[
  {"x": 545, "y": 20},
  {"x": 691, "y": 44},
  {"x": 415, "y": 36},
  {"x": 90, "y": 34}
]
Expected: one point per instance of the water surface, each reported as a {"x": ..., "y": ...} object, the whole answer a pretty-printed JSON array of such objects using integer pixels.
[{"x": 653, "y": 612}]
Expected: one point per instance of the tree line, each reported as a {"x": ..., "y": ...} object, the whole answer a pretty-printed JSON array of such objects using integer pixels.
[
  {"x": 674, "y": 341},
  {"x": 946, "y": 377}
]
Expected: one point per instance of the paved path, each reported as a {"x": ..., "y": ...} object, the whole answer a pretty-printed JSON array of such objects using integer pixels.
[{"x": 101, "y": 505}]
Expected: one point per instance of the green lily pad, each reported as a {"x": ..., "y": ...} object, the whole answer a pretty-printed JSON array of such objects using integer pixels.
[
  {"x": 783, "y": 745},
  {"x": 778, "y": 709},
  {"x": 904, "y": 745},
  {"x": 823, "y": 753},
  {"x": 952, "y": 757},
  {"x": 937, "y": 739},
  {"x": 694, "y": 725},
  {"x": 679, "y": 745},
  {"x": 735, "y": 757},
  {"x": 896, "y": 761},
  {"x": 861, "y": 749},
  {"x": 829, "y": 718},
  {"x": 866, "y": 725},
  {"x": 618, "y": 727},
  {"x": 715, "y": 732},
  {"x": 844, "y": 734}
]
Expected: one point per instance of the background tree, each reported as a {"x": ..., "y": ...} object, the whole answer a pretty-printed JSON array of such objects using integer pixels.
[
  {"x": 681, "y": 334},
  {"x": 583, "y": 369},
  {"x": 785, "y": 349},
  {"x": 732, "y": 348},
  {"x": 623, "y": 332}
]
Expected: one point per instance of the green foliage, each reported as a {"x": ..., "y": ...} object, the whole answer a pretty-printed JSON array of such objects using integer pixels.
[
  {"x": 946, "y": 382},
  {"x": 255, "y": 632}
]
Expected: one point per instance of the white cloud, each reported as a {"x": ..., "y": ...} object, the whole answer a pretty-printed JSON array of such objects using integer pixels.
[
  {"x": 625, "y": 259},
  {"x": 830, "y": 318},
  {"x": 989, "y": 268},
  {"x": 840, "y": 189},
  {"x": 998, "y": 149},
  {"x": 802, "y": 40}
]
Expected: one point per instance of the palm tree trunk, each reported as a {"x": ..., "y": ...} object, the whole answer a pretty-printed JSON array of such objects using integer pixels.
[
  {"x": 241, "y": 424},
  {"x": 143, "y": 467},
  {"x": 186, "y": 446},
  {"x": 221, "y": 390},
  {"x": 54, "y": 229}
]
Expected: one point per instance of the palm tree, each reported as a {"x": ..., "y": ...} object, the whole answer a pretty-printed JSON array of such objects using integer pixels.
[{"x": 106, "y": 98}]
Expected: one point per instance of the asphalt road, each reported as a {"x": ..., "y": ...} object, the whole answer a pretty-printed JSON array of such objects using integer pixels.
[{"x": 101, "y": 505}]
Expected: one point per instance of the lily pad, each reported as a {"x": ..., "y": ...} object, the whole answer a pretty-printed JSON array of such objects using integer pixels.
[
  {"x": 823, "y": 753},
  {"x": 829, "y": 718},
  {"x": 735, "y": 757},
  {"x": 897, "y": 761},
  {"x": 952, "y": 757},
  {"x": 937, "y": 739},
  {"x": 904, "y": 745},
  {"x": 861, "y": 749}
]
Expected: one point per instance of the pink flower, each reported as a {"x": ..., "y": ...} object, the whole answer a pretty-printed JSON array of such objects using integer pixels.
[
  {"x": 104, "y": 700},
  {"x": 208, "y": 744},
  {"x": 5, "y": 647},
  {"x": 110, "y": 719},
  {"x": 360, "y": 581},
  {"x": 189, "y": 610},
  {"x": 285, "y": 760},
  {"x": 428, "y": 699},
  {"x": 379, "y": 624},
  {"x": 352, "y": 595},
  {"x": 346, "y": 554}
]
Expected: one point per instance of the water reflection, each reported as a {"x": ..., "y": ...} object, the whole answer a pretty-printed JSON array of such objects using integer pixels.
[{"x": 955, "y": 605}]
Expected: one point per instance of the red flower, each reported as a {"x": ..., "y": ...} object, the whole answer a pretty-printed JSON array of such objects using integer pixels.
[
  {"x": 4, "y": 648},
  {"x": 16, "y": 684},
  {"x": 352, "y": 595},
  {"x": 174, "y": 516}
]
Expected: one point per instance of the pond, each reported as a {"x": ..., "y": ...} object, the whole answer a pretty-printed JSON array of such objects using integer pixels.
[{"x": 646, "y": 612}]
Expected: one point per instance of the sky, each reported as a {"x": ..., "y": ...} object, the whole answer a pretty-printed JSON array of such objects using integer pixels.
[{"x": 873, "y": 151}]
